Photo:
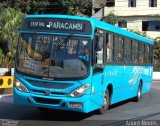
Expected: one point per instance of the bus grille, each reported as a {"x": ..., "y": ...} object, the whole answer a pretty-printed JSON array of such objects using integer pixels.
[
  {"x": 47, "y": 101},
  {"x": 52, "y": 85},
  {"x": 52, "y": 93}
]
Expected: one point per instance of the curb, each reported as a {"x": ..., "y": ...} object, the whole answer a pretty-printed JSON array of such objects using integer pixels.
[{"x": 156, "y": 76}]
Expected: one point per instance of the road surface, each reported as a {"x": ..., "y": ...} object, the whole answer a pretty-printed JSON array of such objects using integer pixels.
[{"x": 119, "y": 114}]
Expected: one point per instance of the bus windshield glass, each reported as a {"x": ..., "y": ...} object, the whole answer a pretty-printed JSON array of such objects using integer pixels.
[{"x": 53, "y": 56}]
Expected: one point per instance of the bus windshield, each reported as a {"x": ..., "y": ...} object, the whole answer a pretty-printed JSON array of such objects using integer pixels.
[{"x": 53, "y": 56}]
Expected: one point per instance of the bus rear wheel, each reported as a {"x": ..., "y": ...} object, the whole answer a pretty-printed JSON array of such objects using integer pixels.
[
  {"x": 139, "y": 93},
  {"x": 106, "y": 103}
]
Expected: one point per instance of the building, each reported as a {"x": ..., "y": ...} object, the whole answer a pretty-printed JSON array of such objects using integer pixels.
[{"x": 139, "y": 15}]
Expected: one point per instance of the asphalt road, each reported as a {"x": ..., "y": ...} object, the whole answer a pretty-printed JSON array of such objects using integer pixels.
[{"x": 119, "y": 114}]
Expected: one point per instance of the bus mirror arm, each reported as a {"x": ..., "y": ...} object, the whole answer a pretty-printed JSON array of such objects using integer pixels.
[{"x": 97, "y": 68}]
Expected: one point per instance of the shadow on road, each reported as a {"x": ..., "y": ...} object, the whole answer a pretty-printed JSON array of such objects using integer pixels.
[
  {"x": 59, "y": 115},
  {"x": 17, "y": 112}
]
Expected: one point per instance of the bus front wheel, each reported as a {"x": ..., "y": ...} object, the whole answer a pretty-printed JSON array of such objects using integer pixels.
[{"x": 106, "y": 102}]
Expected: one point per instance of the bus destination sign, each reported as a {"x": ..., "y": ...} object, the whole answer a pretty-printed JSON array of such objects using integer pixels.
[{"x": 57, "y": 25}]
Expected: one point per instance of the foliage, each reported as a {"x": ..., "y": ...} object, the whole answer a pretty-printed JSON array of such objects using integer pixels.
[
  {"x": 139, "y": 33},
  {"x": 32, "y": 6},
  {"x": 157, "y": 54},
  {"x": 10, "y": 19},
  {"x": 73, "y": 7},
  {"x": 27, "y": 6},
  {"x": 111, "y": 18},
  {"x": 77, "y": 6}
]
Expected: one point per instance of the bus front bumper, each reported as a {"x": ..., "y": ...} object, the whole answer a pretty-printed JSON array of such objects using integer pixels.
[{"x": 81, "y": 104}]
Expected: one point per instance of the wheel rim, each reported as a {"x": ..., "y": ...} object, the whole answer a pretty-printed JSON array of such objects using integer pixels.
[
  {"x": 139, "y": 93},
  {"x": 105, "y": 101}
]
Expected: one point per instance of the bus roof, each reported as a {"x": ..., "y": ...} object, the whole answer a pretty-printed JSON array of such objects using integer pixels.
[
  {"x": 121, "y": 31},
  {"x": 99, "y": 24}
]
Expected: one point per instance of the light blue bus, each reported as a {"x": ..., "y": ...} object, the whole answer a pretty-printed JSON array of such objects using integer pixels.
[{"x": 79, "y": 64}]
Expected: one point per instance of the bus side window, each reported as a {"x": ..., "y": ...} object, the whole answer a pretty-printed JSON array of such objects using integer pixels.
[
  {"x": 118, "y": 49},
  {"x": 141, "y": 53},
  {"x": 135, "y": 52},
  {"x": 128, "y": 51},
  {"x": 99, "y": 53},
  {"x": 109, "y": 47}
]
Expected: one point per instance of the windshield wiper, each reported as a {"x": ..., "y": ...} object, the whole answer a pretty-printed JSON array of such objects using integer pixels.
[{"x": 62, "y": 42}]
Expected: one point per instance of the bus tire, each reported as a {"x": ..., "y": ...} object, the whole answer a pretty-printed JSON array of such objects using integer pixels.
[
  {"x": 139, "y": 92},
  {"x": 106, "y": 103}
]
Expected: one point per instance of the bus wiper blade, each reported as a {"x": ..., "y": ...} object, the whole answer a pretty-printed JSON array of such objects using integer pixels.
[{"x": 62, "y": 42}]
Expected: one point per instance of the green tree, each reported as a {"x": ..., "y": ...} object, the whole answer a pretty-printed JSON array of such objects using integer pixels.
[
  {"x": 111, "y": 18},
  {"x": 31, "y": 6},
  {"x": 157, "y": 55},
  {"x": 75, "y": 7},
  {"x": 10, "y": 19}
]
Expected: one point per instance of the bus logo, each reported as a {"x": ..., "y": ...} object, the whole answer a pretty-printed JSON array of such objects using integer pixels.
[{"x": 47, "y": 92}]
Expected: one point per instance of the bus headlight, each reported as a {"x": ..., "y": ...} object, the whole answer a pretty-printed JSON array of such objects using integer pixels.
[
  {"x": 20, "y": 86},
  {"x": 79, "y": 91}
]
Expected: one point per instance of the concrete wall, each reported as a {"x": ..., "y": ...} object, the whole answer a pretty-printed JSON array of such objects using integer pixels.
[
  {"x": 3, "y": 71},
  {"x": 135, "y": 15},
  {"x": 135, "y": 23},
  {"x": 156, "y": 75},
  {"x": 142, "y": 8}
]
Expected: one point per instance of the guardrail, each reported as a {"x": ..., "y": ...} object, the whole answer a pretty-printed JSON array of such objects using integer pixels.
[
  {"x": 6, "y": 81},
  {"x": 6, "y": 84}
]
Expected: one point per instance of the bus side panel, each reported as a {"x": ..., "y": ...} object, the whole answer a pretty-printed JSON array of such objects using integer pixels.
[
  {"x": 132, "y": 76},
  {"x": 114, "y": 75},
  {"x": 97, "y": 90},
  {"x": 147, "y": 79},
  {"x": 125, "y": 80},
  {"x": 130, "y": 82}
]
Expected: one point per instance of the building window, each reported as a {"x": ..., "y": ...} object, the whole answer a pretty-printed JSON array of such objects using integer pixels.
[
  {"x": 122, "y": 24},
  {"x": 131, "y": 3},
  {"x": 110, "y": 3},
  {"x": 152, "y": 3},
  {"x": 150, "y": 25}
]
